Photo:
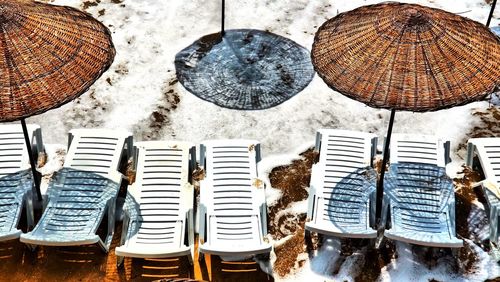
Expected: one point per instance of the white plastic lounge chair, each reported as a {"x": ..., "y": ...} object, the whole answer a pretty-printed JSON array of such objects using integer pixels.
[
  {"x": 83, "y": 191},
  {"x": 421, "y": 149},
  {"x": 159, "y": 206},
  {"x": 488, "y": 152},
  {"x": 341, "y": 198},
  {"x": 419, "y": 197},
  {"x": 16, "y": 180},
  {"x": 232, "y": 200}
]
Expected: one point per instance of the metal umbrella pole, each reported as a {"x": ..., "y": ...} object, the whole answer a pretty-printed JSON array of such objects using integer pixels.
[
  {"x": 493, "y": 5},
  {"x": 385, "y": 159},
  {"x": 32, "y": 160},
  {"x": 222, "y": 31}
]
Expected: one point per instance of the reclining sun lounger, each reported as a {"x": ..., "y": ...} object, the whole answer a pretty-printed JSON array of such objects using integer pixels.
[
  {"x": 341, "y": 198},
  {"x": 16, "y": 182},
  {"x": 419, "y": 197},
  {"x": 488, "y": 152},
  {"x": 83, "y": 191},
  {"x": 159, "y": 206},
  {"x": 232, "y": 200}
]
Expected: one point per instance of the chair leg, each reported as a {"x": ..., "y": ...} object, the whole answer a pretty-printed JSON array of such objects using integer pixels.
[
  {"x": 110, "y": 228},
  {"x": 31, "y": 247},
  {"x": 493, "y": 225},
  {"x": 308, "y": 239},
  {"x": 119, "y": 261},
  {"x": 379, "y": 240}
]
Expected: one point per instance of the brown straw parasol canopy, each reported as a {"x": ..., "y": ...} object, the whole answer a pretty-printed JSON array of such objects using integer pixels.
[
  {"x": 49, "y": 55},
  {"x": 407, "y": 57}
]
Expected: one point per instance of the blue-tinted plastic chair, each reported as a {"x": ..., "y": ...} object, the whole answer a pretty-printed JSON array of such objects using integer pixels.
[
  {"x": 487, "y": 151},
  {"x": 341, "y": 198},
  {"x": 84, "y": 191},
  {"x": 16, "y": 180},
  {"x": 419, "y": 198}
]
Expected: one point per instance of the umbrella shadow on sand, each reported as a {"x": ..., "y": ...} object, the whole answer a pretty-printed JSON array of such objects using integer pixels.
[{"x": 245, "y": 69}]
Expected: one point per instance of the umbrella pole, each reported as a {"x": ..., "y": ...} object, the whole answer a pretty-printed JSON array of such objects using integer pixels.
[
  {"x": 222, "y": 31},
  {"x": 493, "y": 5},
  {"x": 380, "y": 184},
  {"x": 32, "y": 160}
]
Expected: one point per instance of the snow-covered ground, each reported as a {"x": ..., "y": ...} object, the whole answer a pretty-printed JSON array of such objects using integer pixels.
[{"x": 140, "y": 93}]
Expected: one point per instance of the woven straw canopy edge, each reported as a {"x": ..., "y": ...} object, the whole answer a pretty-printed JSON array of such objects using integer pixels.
[
  {"x": 50, "y": 56},
  {"x": 357, "y": 37}
]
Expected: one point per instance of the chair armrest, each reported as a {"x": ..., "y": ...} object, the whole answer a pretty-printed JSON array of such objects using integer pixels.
[
  {"x": 373, "y": 209},
  {"x": 130, "y": 216},
  {"x": 448, "y": 197},
  {"x": 451, "y": 216},
  {"x": 316, "y": 172},
  {"x": 205, "y": 196},
  {"x": 490, "y": 185},
  {"x": 202, "y": 209},
  {"x": 263, "y": 218},
  {"x": 386, "y": 203},
  {"x": 206, "y": 191},
  {"x": 311, "y": 201},
  {"x": 190, "y": 223}
]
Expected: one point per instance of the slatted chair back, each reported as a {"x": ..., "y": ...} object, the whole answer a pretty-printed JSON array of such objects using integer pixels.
[
  {"x": 423, "y": 149},
  {"x": 488, "y": 152},
  {"x": 163, "y": 191},
  {"x": 97, "y": 150},
  {"x": 13, "y": 153},
  {"x": 231, "y": 167}
]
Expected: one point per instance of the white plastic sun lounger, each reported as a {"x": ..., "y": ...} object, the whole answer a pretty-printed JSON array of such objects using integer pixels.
[
  {"x": 232, "y": 200},
  {"x": 419, "y": 197},
  {"x": 16, "y": 180},
  {"x": 488, "y": 152},
  {"x": 341, "y": 198},
  {"x": 83, "y": 191},
  {"x": 159, "y": 206}
]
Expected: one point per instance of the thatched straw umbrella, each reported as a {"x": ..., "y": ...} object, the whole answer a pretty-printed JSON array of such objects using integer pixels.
[
  {"x": 49, "y": 55},
  {"x": 406, "y": 57}
]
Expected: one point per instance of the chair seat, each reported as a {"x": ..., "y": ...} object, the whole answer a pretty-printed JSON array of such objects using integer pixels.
[
  {"x": 443, "y": 240},
  {"x": 10, "y": 234},
  {"x": 78, "y": 201},
  {"x": 158, "y": 207},
  {"x": 238, "y": 248},
  {"x": 418, "y": 195},
  {"x": 59, "y": 238},
  {"x": 232, "y": 201},
  {"x": 331, "y": 229},
  {"x": 153, "y": 250}
]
